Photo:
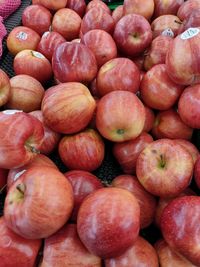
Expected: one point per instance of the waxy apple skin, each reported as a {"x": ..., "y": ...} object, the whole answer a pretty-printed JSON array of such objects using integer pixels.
[
  {"x": 185, "y": 9},
  {"x": 99, "y": 4},
  {"x": 141, "y": 254},
  {"x": 163, "y": 7},
  {"x": 180, "y": 227},
  {"x": 15, "y": 250},
  {"x": 108, "y": 222},
  {"x": 164, "y": 168},
  {"x": 21, "y": 137},
  {"x": 144, "y": 8},
  {"x": 117, "y": 13},
  {"x": 77, "y": 5},
  {"x": 28, "y": 209},
  {"x": 146, "y": 201},
  {"x": 120, "y": 116},
  {"x": 68, "y": 107},
  {"x": 51, "y": 4},
  {"x": 4, "y": 88}
]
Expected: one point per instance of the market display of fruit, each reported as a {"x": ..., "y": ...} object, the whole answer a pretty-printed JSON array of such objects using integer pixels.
[{"x": 100, "y": 134}]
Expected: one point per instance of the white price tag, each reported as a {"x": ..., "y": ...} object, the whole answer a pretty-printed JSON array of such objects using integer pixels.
[
  {"x": 37, "y": 54},
  {"x": 11, "y": 111},
  {"x": 189, "y": 33},
  {"x": 22, "y": 36},
  {"x": 18, "y": 175},
  {"x": 168, "y": 32},
  {"x": 45, "y": 34}
]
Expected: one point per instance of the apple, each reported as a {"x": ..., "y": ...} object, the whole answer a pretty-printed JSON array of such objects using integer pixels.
[
  {"x": 146, "y": 201},
  {"x": 185, "y": 46},
  {"x": 187, "y": 8},
  {"x": 168, "y": 124},
  {"x": 39, "y": 160},
  {"x": 190, "y": 147},
  {"x": 197, "y": 172},
  {"x": 28, "y": 209},
  {"x": 93, "y": 89},
  {"x": 141, "y": 254},
  {"x": 98, "y": 4},
  {"x": 149, "y": 119},
  {"x": 101, "y": 44},
  {"x": 32, "y": 63},
  {"x": 64, "y": 248},
  {"x": 193, "y": 20},
  {"x": 74, "y": 62},
  {"x": 4, "y": 88},
  {"x": 97, "y": 18},
  {"x": 118, "y": 13},
  {"x": 67, "y": 22},
  {"x": 127, "y": 152},
  {"x": 157, "y": 90},
  {"x": 3, "y": 178},
  {"x": 132, "y": 34},
  {"x": 82, "y": 151},
  {"x": 139, "y": 61},
  {"x": 164, "y": 168},
  {"x": 83, "y": 184},
  {"x": 190, "y": 98},
  {"x": 118, "y": 74},
  {"x": 51, "y": 4},
  {"x": 163, "y": 7},
  {"x": 21, "y": 136},
  {"x": 169, "y": 257},
  {"x": 120, "y": 116},
  {"x": 68, "y": 107},
  {"x": 180, "y": 227},
  {"x": 156, "y": 54},
  {"x": 37, "y": 18},
  {"x": 108, "y": 222},
  {"x": 49, "y": 42},
  {"x": 11, "y": 244},
  {"x": 21, "y": 38},
  {"x": 163, "y": 23},
  {"x": 26, "y": 93},
  {"x": 144, "y": 8},
  {"x": 79, "y": 6}
]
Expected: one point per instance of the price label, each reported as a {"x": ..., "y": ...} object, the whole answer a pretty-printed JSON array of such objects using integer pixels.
[
  {"x": 37, "y": 54},
  {"x": 22, "y": 36},
  {"x": 45, "y": 34},
  {"x": 11, "y": 111},
  {"x": 168, "y": 32},
  {"x": 189, "y": 33},
  {"x": 18, "y": 175}
]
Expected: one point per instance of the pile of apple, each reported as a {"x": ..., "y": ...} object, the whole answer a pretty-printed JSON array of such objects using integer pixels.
[{"x": 130, "y": 77}]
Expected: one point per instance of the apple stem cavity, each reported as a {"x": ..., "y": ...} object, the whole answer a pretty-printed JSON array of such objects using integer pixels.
[
  {"x": 162, "y": 162},
  {"x": 120, "y": 131},
  {"x": 178, "y": 22},
  {"x": 32, "y": 149},
  {"x": 21, "y": 188}
]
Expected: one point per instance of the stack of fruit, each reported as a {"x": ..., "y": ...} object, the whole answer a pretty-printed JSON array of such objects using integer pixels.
[{"x": 130, "y": 78}]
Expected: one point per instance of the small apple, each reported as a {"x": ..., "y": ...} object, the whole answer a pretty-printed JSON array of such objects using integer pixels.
[
  {"x": 98, "y": 4},
  {"x": 51, "y": 4},
  {"x": 193, "y": 20},
  {"x": 4, "y": 88},
  {"x": 163, "y": 7},
  {"x": 144, "y": 8},
  {"x": 79, "y": 6},
  {"x": 187, "y": 8}
]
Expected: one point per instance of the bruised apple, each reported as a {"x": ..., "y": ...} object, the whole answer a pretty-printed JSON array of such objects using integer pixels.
[{"x": 4, "y": 88}]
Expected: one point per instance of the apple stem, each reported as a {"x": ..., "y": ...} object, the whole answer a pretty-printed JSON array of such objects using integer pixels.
[
  {"x": 179, "y": 22},
  {"x": 162, "y": 162},
  {"x": 33, "y": 149},
  {"x": 21, "y": 188},
  {"x": 120, "y": 131}
]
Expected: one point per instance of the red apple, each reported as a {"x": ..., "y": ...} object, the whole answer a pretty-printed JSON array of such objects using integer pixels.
[
  {"x": 101, "y": 44},
  {"x": 26, "y": 93},
  {"x": 117, "y": 13},
  {"x": 51, "y": 4},
  {"x": 97, "y": 18},
  {"x": 180, "y": 227},
  {"x": 3, "y": 178},
  {"x": 37, "y": 18},
  {"x": 166, "y": 7},
  {"x": 149, "y": 119},
  {"x": 118, "y": 74},
  {"x": 187, "y": 8},
  {"x": 39, "y": 203},
  {"x": 165, "y": 22},
  {"x": 15, "y": 250},
  {"x": 139, "y": 61},
  {"x": 127, "y": 152},
  {"x": 190, "y": 98},
  {"x": 68, "y": 107},
  {"x": 197, "y": 172},
  {"x": 190, "y": 147},
  {"x": 185, "y": 46},
  {"x": 82, "y": 151},
  {"x": 21, "y": 38},
  {"x": 4, "y": 88},
  {"x": 108, "y": 222},
  {"x": 141, "y": 254},
  {"x": 169, "y": 257},
  {"x": 50, "y": 139},
  {"x": 38, "y": 161},
  {"x": 79, "y": 6},
  {"x": 32, "y": 63},
  {"x": 98, "y": 4},
  {"x": 146, "y": 201},
  {"x": 74, "y": 62},
  {"x": 64, "y": 248},
  {"x": 157, "y": 90},
  {"x": 144, "y": 8},
  {"x": 83, "y": 184},
  {"x": 49, "y": 42},
  {"x": 156, "y": 54},
  {"x": 193, "y": 20},
  {"x": 164, "y": 168},
  {"x": 168, "y": 124},
  {"x": 132, "y": 34},
  {"x": 21, "y": 136},
  {"x": 120, "y": 116},
  {"x": 67, "y": 22}
]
